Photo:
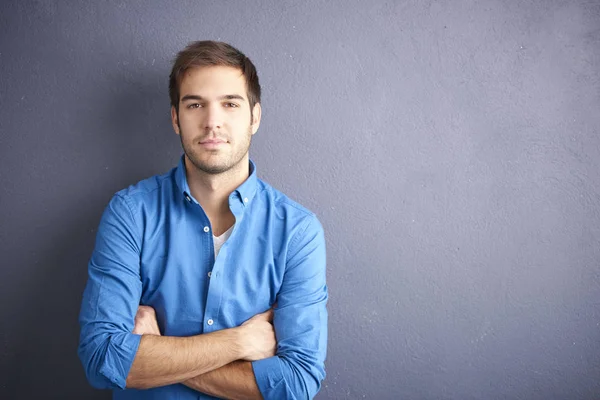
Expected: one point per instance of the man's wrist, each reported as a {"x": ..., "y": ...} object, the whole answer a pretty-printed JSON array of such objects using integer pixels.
[{"x": 240, "y": 347}]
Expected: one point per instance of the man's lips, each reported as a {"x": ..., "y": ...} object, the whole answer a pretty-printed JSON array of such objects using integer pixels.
[{"x": 212, "y": 143}]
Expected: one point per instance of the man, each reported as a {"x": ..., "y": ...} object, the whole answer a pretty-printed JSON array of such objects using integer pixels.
[{"x": 206, "y": 281}]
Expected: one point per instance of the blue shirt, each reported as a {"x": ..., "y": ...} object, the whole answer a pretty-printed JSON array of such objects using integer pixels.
[{"x": 154, "y": 247}]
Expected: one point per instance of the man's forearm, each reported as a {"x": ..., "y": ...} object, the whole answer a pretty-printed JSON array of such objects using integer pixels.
[
  {"x": 165, "y": 360},
  {"x": 234, "y": 381}
]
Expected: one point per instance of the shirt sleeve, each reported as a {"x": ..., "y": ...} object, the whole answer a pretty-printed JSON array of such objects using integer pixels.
[
  {"x": 300, "y": 322},
  {"x": 111, "y": 298}
]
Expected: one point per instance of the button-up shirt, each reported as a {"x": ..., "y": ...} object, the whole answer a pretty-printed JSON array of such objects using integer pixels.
[{"x": 154, "y": 246}]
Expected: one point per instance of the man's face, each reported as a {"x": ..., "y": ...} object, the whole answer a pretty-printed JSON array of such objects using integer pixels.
[{"x": 214, "y": 121}]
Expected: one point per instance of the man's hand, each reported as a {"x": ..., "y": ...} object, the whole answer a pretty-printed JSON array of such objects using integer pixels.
[
  {"x": 259, "y": 336},
  {"x": 145, "y": 322}
]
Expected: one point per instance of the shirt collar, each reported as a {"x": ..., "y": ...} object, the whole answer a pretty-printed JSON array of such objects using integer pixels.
[{"x": 244, "y": 193}]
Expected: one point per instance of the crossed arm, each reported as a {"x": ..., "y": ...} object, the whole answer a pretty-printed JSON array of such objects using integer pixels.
[{"x": 254, "y": 339}]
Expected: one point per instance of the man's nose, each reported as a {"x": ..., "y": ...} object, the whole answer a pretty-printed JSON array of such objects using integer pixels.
[{"x": 214, "y": 117}]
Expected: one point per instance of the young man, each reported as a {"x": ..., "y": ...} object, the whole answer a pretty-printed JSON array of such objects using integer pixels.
[{"x": 206, "y": 281}]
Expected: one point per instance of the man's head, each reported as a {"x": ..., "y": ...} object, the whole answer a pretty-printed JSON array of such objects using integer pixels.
[
  {"x": 208, "y": 53},
  {"x": 215, "y": 105}
]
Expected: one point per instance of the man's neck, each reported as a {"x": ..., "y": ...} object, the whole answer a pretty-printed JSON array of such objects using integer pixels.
[{"x": 212, "y": 191}]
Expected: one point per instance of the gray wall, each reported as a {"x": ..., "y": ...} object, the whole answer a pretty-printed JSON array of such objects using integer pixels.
[{"x": 450, "y": 148}]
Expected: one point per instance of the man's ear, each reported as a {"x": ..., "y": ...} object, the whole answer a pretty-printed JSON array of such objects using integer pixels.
[
  {"x": 175, "y": 120},
  {"x": 256, "y": 113}
]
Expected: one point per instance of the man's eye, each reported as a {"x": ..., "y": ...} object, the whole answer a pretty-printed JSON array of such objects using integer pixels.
[
  {"x": 194, "y": 105},
  {"x": 231, "y": 105}
]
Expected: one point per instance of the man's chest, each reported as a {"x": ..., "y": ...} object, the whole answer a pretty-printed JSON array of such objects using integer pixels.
[{"x": 193, "y": 293}]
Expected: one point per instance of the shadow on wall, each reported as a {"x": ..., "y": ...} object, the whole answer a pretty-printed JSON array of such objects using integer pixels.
[{"x": 127, "y": 137}]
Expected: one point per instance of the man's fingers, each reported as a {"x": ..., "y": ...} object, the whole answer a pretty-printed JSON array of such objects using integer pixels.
[
  {"x": 268, "y": 315},
  {"x": 145, "y": 309},
  {"x": 145, "y": 321}
]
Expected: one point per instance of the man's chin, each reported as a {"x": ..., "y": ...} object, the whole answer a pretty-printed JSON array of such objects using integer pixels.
[
  {"x": 213, "y": 163},
  {"x": 212, "y": 168}
]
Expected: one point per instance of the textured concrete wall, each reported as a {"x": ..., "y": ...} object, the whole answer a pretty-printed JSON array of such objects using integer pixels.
[{"x": 450, "y": 148}]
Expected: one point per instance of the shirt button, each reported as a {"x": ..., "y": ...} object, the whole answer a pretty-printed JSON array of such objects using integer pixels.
[
  {"x": 206, "y": 229},
  {"x": 209, "y": 274},
  {"x": 187, "y": 198},
  {"x": 245, "y": 199},
  {"x": 210, "y": 322}
]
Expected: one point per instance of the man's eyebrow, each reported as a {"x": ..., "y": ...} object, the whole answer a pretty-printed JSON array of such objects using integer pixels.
[
  {"x": 191, "y": 97},
  {"x": 232, "y": 97},
  {"x": 224, "y": 97}
]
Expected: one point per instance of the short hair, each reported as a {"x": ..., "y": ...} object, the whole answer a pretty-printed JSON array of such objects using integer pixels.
[{"x": 210, "y": 53}]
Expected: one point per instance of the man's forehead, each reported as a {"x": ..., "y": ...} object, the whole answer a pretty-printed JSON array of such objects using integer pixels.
[
  {"x": 214, "y": 73},
  {"x": 213, "y": 83}
]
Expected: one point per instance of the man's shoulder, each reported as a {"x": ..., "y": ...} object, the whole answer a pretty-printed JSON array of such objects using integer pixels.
[
  {"x": 282, "y": 202},
  {"x": 146, "y": 188}
]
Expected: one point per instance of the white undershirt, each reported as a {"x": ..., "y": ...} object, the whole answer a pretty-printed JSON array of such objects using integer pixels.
[{"x": 218, "y": 241}]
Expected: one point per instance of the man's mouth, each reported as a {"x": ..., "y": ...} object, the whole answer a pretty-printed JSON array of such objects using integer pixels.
[{"x": 212, "y": 143}]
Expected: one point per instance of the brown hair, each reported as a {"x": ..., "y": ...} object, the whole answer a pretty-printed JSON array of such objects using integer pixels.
[{"x": 210, "y": 53}]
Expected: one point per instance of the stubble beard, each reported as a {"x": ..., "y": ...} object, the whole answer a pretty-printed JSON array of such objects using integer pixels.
[{"x": 224, "y": 162}]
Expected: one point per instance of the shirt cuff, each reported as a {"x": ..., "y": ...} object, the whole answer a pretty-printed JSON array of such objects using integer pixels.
[
  {"x": 120, "y": 354},
  {"x": 268, "y": 375}
]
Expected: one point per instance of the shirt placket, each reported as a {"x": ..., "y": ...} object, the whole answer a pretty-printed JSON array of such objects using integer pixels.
[
  {"x": 213, "y": 294},
  {"x": 212, "y": 322}
]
